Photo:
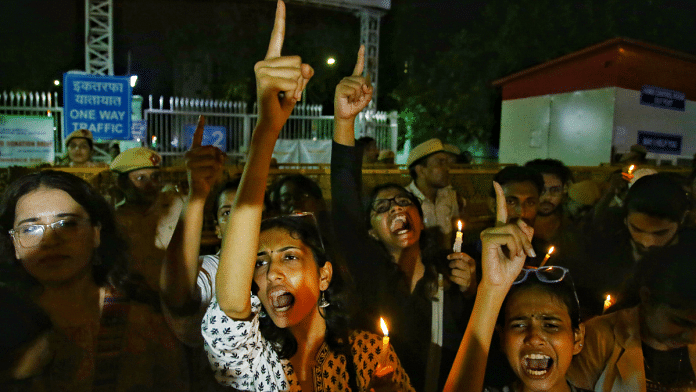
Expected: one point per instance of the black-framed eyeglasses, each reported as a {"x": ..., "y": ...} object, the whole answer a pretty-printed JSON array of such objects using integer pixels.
[
  {"x": 383, "y": 205},
  {"x": 30, "y": 236},
  {"x": 302, "y": 216}
]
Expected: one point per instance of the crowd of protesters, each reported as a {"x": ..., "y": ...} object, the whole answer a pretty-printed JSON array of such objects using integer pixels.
[{"x": 573, "y": 286}]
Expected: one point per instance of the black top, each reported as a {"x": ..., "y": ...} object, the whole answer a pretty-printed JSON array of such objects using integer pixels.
[{"x": 381, "y": 287}]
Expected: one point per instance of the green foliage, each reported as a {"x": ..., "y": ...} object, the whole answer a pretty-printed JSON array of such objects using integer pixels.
[{"x": 448, "y": 92}]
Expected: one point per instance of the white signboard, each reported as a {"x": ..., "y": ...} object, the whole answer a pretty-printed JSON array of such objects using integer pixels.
[{"x": 26, "y": 140}]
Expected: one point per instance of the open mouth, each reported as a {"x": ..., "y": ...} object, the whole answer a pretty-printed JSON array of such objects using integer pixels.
[
  {"x": 400, "y": 225},
  {"x": 281, "y": 300},
  {"x": 536, "y": 365}
]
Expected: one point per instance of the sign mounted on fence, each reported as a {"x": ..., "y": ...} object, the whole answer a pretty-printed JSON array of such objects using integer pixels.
[
  {"x": 662, "y": 98},
  {"x": 26, "y": 140},
  {"x": 101, "y": 104},
  {"x": 213, "y": 135},
  {"x": 661, "y": 143}
]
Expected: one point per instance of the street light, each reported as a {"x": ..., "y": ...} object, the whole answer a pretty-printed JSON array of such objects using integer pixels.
[
  {"x": 133, "y": 80},
  {"x": 331, "y": 61},
  {"x": 56, "y": 82}
]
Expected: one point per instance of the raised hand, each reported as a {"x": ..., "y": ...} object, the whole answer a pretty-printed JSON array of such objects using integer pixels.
[
  {"x": 354, "y": 92},
  {"x": 279, "y": 80},
  {"x": 505, "y": 246},
  {"x": 203, "y": 164}
]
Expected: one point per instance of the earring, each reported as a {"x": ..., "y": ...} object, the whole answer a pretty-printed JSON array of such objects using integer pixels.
[
  {"x": 323, "y": 303},
  {"x": 580, "y": 344}
]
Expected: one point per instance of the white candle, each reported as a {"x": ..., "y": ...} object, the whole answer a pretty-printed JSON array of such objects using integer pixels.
[
  {"x": 385, "y": 342},
  {"x": 458, "y": 239}
]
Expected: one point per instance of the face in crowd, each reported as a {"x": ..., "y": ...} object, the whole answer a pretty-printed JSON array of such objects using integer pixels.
[
  {"x": 666, "y": 327},
  {"x": 522, "y": 200},
  {"x": 289, "y": 278},
  {"x": 552, "y": 198},
  {"x": 539, "y": 338},
  {"x": 394, "y": 219},
  {"x": 79, "y": 150},
  {"x": 225, "y": 200},
  {"x": 649, "y": 232},
  {"x": 434, "y": 170},
  {"x": 145, "y": 184},
  {"x": 54, "y": 238}
]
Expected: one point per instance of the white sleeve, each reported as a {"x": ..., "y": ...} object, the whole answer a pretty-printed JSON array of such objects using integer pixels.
[
  {"x": 206, "y": 277},
  {"x": 238, "y": 353}
]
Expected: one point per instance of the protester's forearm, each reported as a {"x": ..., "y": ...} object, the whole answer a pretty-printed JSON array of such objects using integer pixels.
[
  {"x": 180, "y": 268},
  {"x": 344, "y": 132},
  {"x": 239, "y": 247},
  {"x": 469, "y": 367}
]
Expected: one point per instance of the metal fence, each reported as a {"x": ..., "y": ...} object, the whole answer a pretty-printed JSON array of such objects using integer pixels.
[
  {"x": 44, "y": 104},
  {"x": 167, "y": 118}
]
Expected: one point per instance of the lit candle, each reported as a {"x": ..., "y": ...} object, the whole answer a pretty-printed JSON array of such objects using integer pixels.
[
  {"x": 630, "y": 169},
  {"x": 385, "y": 342},
  {"x": 458, "y": 240},
  {"x": 548, "y": 254},
  {"x": 608, "y": 302}
]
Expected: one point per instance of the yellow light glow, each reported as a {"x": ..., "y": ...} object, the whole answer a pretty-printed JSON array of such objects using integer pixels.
[
  {"x": 459, "y": 225},
  {"x": 383, "y": 325},
  {"x": 331, "y": 61},
  {"x": 630, "y": 169},
  {"x": 551, "y": 249}
]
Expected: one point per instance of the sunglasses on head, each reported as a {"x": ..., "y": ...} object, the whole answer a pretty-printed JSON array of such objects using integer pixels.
[{"x": 548, "y": 274}]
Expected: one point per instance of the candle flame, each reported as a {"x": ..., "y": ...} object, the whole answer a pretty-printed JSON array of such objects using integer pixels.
[
  {"x": 551, "y": 249},
  {"x": 459, "y": 225},
  {"x": 383, "y": 325},
  {"x": 630, "y": 169},
  {"x": 609, "y": 297}
]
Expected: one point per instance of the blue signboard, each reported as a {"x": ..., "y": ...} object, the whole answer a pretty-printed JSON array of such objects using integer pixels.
[
  {"x": 662, "y": 98},
  {"x": 661, "y": 143},
  {"x": 139, "y": 129},
  {"x": 213, "y": 135},
  {"x": 101, "y": 104}
]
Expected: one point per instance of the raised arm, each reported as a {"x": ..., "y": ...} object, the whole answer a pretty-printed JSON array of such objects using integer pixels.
[
  {"x": 279, "y": 85},
  {"x": 179, "y": 271},
  {"x": 352, "y": 96},
  {"x": 505, "y": 248}
]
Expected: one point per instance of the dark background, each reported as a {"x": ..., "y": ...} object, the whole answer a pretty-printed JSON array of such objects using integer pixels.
[{"x": 437, "y": 57}]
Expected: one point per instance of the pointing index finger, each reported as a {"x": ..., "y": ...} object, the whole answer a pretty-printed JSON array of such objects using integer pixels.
[
  {"x": 198, "y": 134},
  {"x": 278, "y": 34},
  {"x": 500, "y": 205},
  {"x": 360, "y": 64}
]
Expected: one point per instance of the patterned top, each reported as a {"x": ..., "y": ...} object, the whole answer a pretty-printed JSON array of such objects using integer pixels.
[
  {"x": 440, "y": 213},
  {"x": 243, "y": 359}
]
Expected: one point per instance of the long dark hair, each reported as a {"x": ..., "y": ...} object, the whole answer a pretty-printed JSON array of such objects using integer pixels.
[
  {"x": 431, "y": 254},
  {"x": 110, "y": 258},
  {"x": 337, "y": 315}
]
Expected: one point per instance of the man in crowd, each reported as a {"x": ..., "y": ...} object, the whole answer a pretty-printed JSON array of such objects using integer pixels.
[
  {"x": 552, "y": 223},
  {"x": 652, "y": 217},
  {"x": 147, "y": 214},
  {"x": 428, "y": 164}
]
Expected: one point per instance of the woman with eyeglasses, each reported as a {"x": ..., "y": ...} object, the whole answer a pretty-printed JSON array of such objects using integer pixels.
[
  {"x": 537, "y": 313},
  {"x": 399, "y": 273},
  {"x": 650, "y": 345},
  {"x": 278, "y": 320},
  {"x": 67, "y": 256}
]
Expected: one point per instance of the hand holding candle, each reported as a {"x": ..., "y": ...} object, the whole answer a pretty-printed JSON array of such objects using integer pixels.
[
  {"x": 458, "y": 239},
  {"x": 548, "y": 255}
]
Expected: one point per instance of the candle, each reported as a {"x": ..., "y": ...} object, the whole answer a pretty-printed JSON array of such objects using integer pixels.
[
  {"x": 385, "y": 342},
  {"x": 630, "y": 169},
  {"x": 458, "y": 240},
  {"x": 608, "y": 302},
  {"x": 548, "y": 254}
]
